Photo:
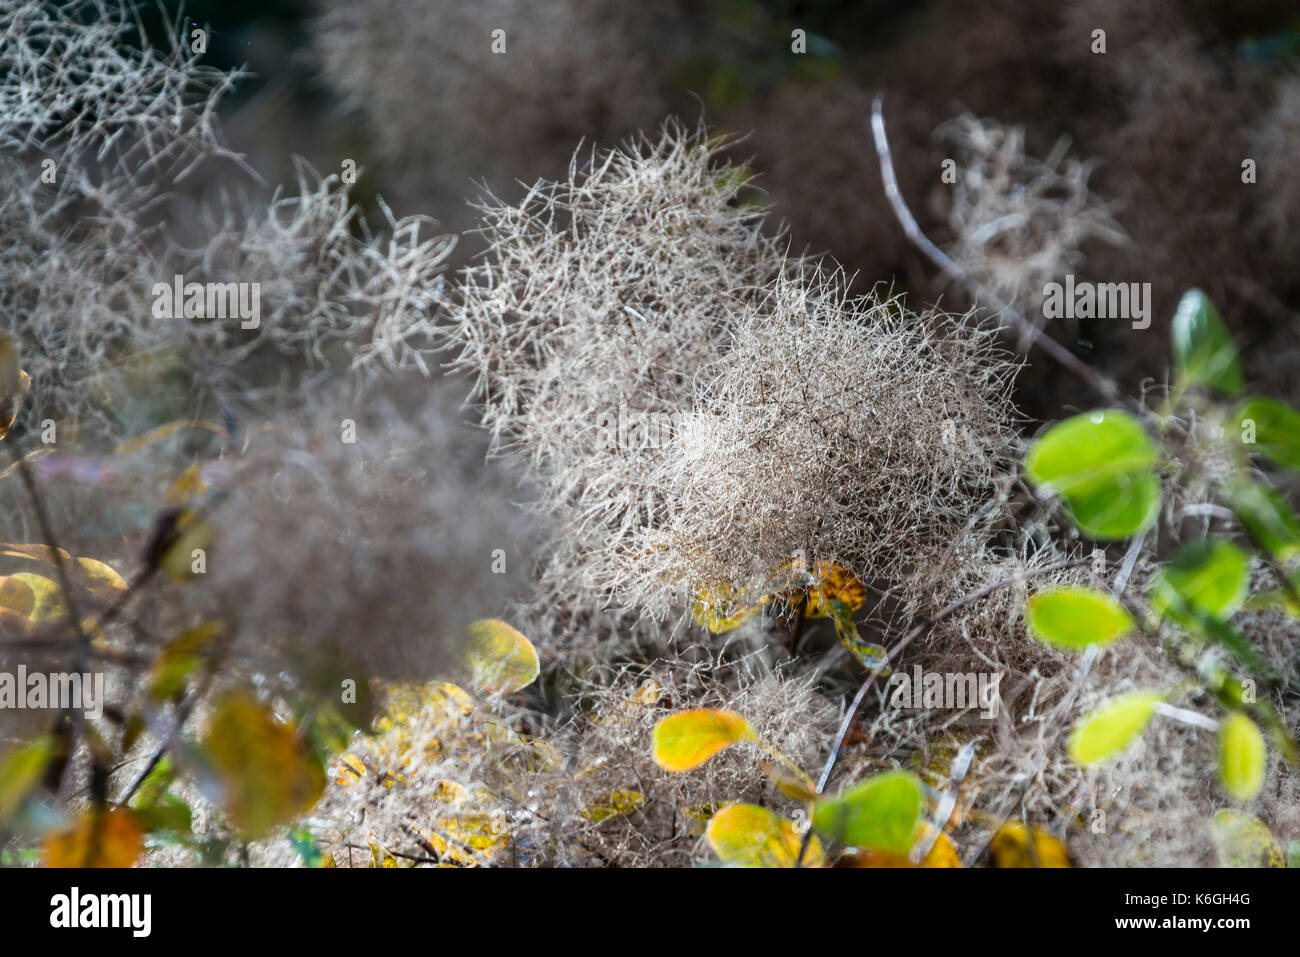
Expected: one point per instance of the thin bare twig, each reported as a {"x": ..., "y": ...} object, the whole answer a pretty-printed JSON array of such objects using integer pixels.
[{"x": 1101, "y": 384}]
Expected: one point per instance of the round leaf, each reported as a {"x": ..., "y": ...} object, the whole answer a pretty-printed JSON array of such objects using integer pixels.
[
  {"x": 1102, "y": 464},
  {"x": 1210, "y": 578},
  {"x": 1270, "y": 428},
  {"x": 880, "y": 813},
  {"x": 21, "y": 770},
  {"x": 17, "y": 596},
  {"x": 1203, "y": 349},
  {"x": 1073, "y": 618},
  {"x": 1106, "y": 732},
  {"x": 50, "y": 606},
  {"x": 746, "y": 835},
  {"x": 265, "y": 776},
  {"x": 1010, "y": 847},
  {"x": 501, "y": 659},
  {"x": 1242, "y": 840},
  {"x": 1267, "y": 516},
  {"x": 112, "y": 838},
  {"x": 1243, "y": 757},
  {"x": 687, "y": 739}
]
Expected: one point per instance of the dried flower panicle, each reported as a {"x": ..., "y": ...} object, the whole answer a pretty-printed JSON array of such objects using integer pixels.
[{"x": 698, "y": 404}]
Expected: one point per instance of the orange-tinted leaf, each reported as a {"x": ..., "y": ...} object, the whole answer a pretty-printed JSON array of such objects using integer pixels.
[
  {"x": 104, "y": 838},
  {"x": 687, "y": 739}
]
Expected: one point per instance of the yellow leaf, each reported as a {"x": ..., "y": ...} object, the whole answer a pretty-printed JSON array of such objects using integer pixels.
[
  {"x": 788, "y": 783},
  {"x": 1243, "y": 758},
  {"x": 747, "y": 835},
  {"x": 379, "y": 857},
  {"x": 717, "y": 609},
  {"x": 14, "y": 383},
  {"x": 439, "y": 701},
  {"x": 687, "y": 739},
  {"x": 942, "y": 853},
  {"x": 613, "y": 804},
  {"x": 470, "y": 840},
  {"x": 100, "y": 579},
  {"x": 696, "y": 817},
  {"x": 349, "y": 769},
  {"x": 501, "y": 659},
  {"x": 835, "y": 583},
  {"x": 1010, "y": 847},
  {"x": 50, "y": 606},
  {"x": 188, "y": 486},
  {"x": 37, "y": 552},
  {"x": 101, "y": 838},
  {"x": 189, "y": 533},
  {"x": 17, "y": 596},
  {"x": 267, "y": 776},
  {"x": 1242, "y": 840}
]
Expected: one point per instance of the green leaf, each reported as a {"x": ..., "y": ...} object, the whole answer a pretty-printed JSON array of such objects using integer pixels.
[
  {"x": 1233, "y": 640},
  {"x": 1203, "y": 349},
  {"x": 685, "y": 740},
  {"x": 746, "y": 835},
  {"x": 1108, "y": 731},
  {"x": 880, "y": 813},
  {"x": 502, "y": 660},
  {"x": 1209, "y": 578},
  {"x": 1270, "y": 428},
  {"x": 156, "y": 807},
  {"x": 21, "y": 770},
  {"x": 1266, "y": 516},
  {"x": 1293, "y": 854},
  {"x": 1073, "y": 618},
  {"x": 168, "y": 813},
  {"x": 1242, "y": 840},
  {"x": 1242, "y": 757},
  {"x": 179, "y": 659},
  {"x": 1102, "y": 464},
  {"x": 305, "y": 844}
]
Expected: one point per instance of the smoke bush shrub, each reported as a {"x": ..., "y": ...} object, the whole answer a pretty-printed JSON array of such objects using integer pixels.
[{"x": 803, "y": 418}]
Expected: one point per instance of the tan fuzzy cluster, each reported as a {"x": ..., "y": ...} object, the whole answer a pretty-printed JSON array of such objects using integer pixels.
[
  {"x": 832, "y": 429},
  {"x": 104, "y": 138},
  {"x": 455, "y": 93},
  {"x": 1019, "y": 222},
  {"x": 361, "y": 537},
  {"x": 697, "y": 405}
]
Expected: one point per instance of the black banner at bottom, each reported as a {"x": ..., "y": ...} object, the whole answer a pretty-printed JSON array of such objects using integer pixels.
[{"x": 264, "y": 907}]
